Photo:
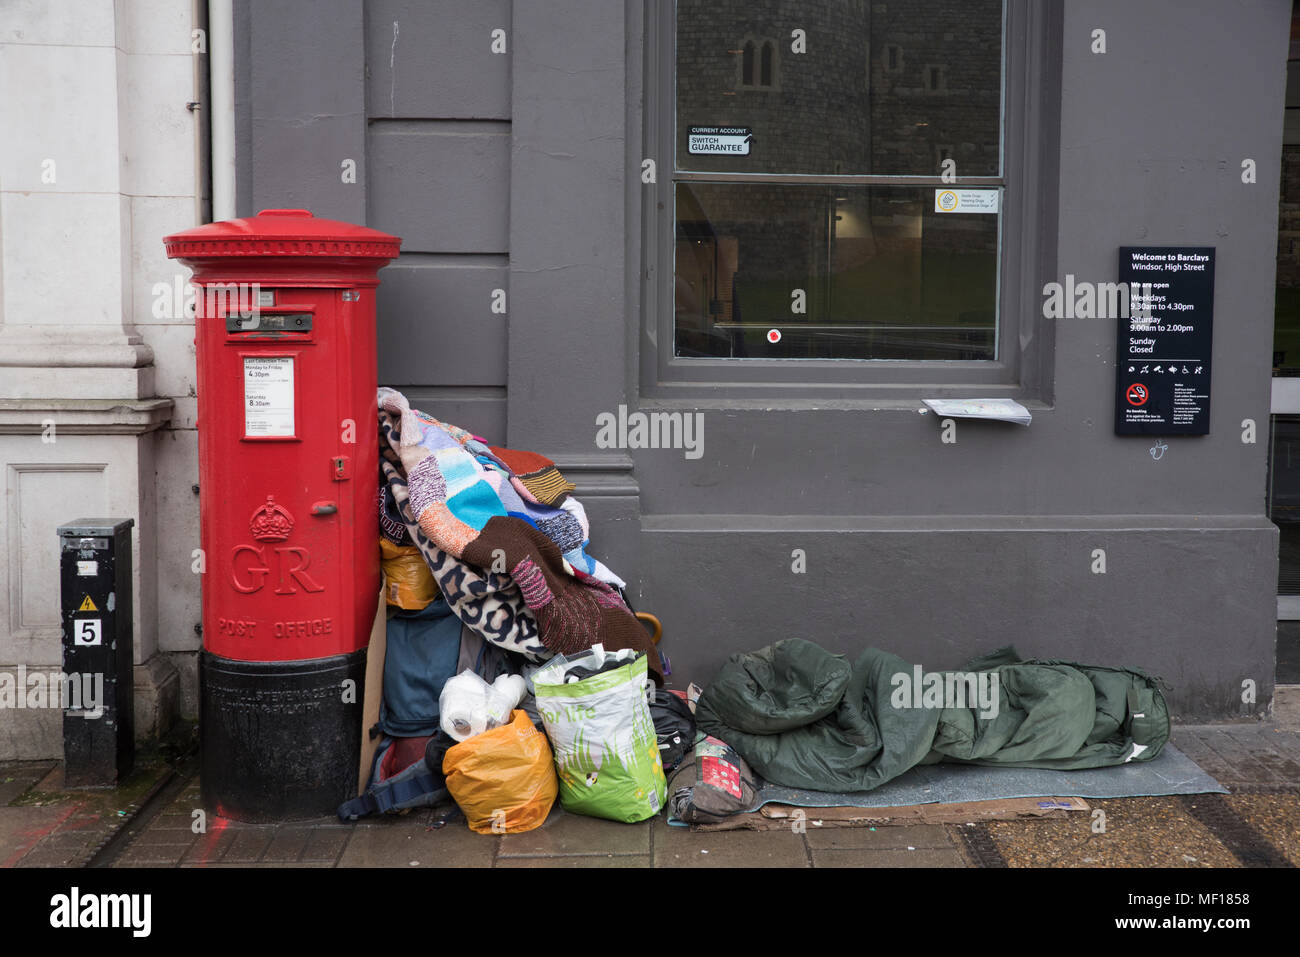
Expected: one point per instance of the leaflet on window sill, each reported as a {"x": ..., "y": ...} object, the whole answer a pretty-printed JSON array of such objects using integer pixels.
[{"x": 1003, "y": 410}]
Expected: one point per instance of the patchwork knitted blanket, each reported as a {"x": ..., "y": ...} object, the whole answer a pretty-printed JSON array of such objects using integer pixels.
[
  {"x": 489, "y": 603},
  {"x": 457, "y": 483},
  {"x": 511, "y": 565}
]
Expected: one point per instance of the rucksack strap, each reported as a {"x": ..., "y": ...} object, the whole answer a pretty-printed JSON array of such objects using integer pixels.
[
  {"x": 358, "y": 807},
  {"x": 385, "y": 796}
]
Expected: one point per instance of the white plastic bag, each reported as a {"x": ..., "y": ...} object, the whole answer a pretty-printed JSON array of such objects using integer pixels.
[
  {"x": 469, "y": 705},
  {"x": 606, "y": 750},
  {"x": 503, "y": 696}
]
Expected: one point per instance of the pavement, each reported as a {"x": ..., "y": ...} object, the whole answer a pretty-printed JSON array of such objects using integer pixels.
[{"x": 157, "y": 820}]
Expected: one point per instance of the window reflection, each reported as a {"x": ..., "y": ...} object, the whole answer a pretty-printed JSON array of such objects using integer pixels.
[
  {"x": 841, "y": 272},
  {"x": 880, "y": 84}
]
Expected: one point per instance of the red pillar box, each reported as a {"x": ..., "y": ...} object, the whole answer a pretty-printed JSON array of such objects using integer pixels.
[{"x": 288, "y": 459}]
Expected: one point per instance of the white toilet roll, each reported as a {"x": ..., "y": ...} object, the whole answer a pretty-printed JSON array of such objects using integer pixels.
[{"x": 462, "y": 706}]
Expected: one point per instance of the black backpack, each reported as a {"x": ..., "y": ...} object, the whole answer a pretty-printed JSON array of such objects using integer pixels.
[{"x": 674, "y": 726}]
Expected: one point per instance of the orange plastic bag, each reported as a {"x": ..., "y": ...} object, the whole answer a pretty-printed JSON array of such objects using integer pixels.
[
  {"x": 408, "y": 583},
  {"x": 503, "y": 779}
]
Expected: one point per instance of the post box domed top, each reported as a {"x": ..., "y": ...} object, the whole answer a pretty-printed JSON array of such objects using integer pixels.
[{"x": 275, "y": 233}]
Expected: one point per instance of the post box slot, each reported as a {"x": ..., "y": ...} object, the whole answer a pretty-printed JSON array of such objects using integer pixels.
[{"x": 269, "y": 325}]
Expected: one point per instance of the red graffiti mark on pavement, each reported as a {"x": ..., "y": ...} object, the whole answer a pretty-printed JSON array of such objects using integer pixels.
[
  {"x": 81, "y": 822},
  {"x": 209, "y": 842},
  {"x": 36, "y": 835}
]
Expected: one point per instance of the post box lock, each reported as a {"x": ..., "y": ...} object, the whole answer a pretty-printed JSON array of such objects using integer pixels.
[
  {"x": 324, "y": 508},
  {"x": 341, "y": 468}
]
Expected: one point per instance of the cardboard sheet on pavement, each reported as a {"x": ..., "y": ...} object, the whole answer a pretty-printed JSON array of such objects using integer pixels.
[{"x": 779, "y": 817}]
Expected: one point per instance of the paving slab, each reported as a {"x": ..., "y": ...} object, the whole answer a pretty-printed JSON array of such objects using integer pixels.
[
  {"x": 1189, "y": 742},
  {"x": 1258, "y": 745},
  {"x": 585, "y": 860},
  {"x": 49, "y": 855},
  {"x": 208, "y": 848},
  {"x": 263, "y": 865},
  {"x": 23, "y": 828},
  {"x": 1286, "y": 742},
  {"x": 1231, "y": 762},
  {"x": 399, "y": 845},
  {"x": 570, "y": 834},
  {"x": 164, "y": 835},
  {"x": 287, "y": 844},
  {"x": 864, "y": 857},
  {"x": 682, "y": 847},
  {"x": 326, "y": 844},
  {"x": 248, "y": 846},
  {"x": 17, "y": 776},
  {"x": 152, "y": 855}
]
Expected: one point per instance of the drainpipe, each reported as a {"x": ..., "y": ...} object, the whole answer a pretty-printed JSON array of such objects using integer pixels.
[{"x": 221, "y": 66}]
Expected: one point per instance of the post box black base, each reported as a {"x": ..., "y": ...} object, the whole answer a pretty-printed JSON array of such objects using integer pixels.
[{"x": 279, "y": 740}]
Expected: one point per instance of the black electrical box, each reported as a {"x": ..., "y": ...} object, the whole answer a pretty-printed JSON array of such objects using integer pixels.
[{"x": 98, "y": 700}]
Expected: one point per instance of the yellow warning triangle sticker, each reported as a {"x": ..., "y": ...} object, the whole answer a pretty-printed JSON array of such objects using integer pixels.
[{"x": 87, "y": 605}]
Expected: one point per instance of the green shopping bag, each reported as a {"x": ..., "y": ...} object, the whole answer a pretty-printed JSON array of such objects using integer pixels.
[{"x": 606, "y": 751}]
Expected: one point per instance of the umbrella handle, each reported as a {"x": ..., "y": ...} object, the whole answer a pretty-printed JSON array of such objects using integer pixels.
[{"x": 655, "y": 624}]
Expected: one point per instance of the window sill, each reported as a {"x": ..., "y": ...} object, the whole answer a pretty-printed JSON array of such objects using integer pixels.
[{"x": 908, "y": 403}]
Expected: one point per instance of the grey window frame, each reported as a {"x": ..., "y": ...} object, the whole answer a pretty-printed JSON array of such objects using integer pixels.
[{"x": 1030, "y": 172}]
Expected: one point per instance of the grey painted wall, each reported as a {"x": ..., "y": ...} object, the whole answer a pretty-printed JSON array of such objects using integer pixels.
[
  {"x": 518, "y": 171},
  {"x": 1185, "y": 605}
]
